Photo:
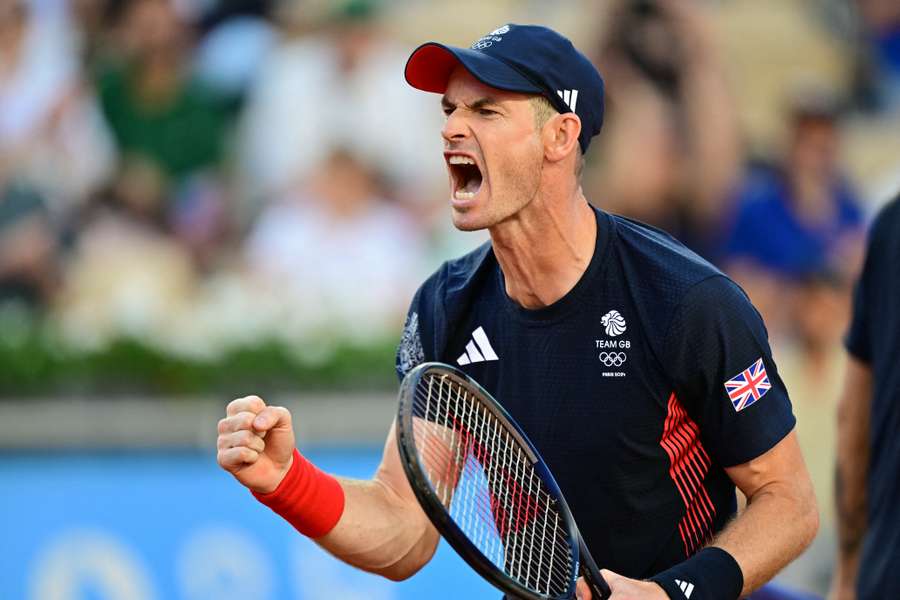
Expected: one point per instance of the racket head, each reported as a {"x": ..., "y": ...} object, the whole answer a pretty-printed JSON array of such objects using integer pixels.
[{"x": 467, "y": 419}]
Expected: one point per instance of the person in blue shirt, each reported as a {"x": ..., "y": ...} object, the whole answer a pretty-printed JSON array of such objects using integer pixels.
[{"x": 798, "y": 221}]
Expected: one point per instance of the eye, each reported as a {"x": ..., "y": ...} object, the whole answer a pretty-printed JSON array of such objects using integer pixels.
[{"x": 486, "y": 112}]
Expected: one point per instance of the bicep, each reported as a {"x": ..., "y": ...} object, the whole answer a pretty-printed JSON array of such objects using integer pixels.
[
  {"x": 442, "y": 453},
  {"x": 781, "y": 469}
]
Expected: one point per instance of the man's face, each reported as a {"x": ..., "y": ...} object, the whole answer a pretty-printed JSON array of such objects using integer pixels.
[
  {"x": 493, "y": 152},
  {"x": 815, "y": 147}
]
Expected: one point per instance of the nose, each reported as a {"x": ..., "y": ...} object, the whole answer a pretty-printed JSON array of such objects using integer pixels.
[{"x": 455, "y": 128}]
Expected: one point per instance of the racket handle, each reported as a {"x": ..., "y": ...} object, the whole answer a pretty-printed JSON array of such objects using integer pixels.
[{"x": 599, "y": 588}]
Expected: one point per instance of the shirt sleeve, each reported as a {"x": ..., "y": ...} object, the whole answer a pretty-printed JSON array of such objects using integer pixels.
[
  {"x": 420, "y": 339},
  {"x": 718, "y": 357},
  {"x": 411, "y": 350},
  {"x": 859, "y": 340}
]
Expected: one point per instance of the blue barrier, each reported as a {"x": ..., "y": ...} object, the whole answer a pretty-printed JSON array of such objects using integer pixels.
[{"x": 172, "y": 526}]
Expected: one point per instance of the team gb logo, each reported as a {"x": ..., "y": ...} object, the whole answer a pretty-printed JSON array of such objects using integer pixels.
[
  {"x": 614, "y": 323},
  {"x": 486, "y": 41}
]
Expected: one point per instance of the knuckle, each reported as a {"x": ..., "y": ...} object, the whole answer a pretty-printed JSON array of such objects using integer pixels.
[
  {"x": 239, "y": 422},
  {"x": 282, "y": 413},
  {"x": 233, "y": 407},
  {"x": 251, "y": 403}
]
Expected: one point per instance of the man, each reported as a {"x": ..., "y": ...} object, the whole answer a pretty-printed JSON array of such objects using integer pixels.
[
  {"x": 610, "y": 343},
  {"x": 866, "y": 482}
]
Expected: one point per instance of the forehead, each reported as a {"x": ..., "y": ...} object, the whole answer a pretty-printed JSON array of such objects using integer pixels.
[{"x": 463, "y": 87}]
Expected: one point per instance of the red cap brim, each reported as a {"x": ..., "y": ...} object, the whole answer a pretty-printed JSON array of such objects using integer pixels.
[{"x": 429, "y": 67}]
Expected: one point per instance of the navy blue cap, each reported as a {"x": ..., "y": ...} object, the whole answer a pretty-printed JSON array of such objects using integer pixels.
[{"x": 519, "y": 58}]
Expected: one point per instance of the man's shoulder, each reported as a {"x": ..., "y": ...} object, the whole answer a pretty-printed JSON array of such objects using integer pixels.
[
  {"x": 440, "y": 302},
  {"x": 664, "y": 278},
  {"x": 887, "y": 221},
  {"x": 458, "y": 274},
  {"x": 658, "y": 259}
]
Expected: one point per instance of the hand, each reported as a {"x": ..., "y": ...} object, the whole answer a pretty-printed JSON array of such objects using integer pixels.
[
  {"x": 694, "y": 27},
  {"x": 623, "y": 588},
  {"x": 256, "y": 443}
]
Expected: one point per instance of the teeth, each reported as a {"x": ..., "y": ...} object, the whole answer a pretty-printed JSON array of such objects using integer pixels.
[
  {"x": 461, "y": 195},
  {"x": 456, "y": 159}
]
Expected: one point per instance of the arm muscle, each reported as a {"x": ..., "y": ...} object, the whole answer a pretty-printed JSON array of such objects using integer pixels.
[{"x": 781, "y": 517}]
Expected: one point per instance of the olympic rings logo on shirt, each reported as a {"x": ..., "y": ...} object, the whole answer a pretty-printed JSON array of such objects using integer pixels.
[{"x": 613, "y": 359}]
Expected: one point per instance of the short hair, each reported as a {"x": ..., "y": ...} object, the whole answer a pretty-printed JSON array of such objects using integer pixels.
[{"x": 543, "y": 112}]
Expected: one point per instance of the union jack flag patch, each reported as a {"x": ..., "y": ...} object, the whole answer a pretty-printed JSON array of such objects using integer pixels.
[{"x": 748, "y": 386}]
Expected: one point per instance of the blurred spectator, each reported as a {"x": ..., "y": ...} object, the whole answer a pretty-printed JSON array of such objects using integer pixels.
[
  {"x": 879, "y": 68},
  {"x": 125, "y": 276},
  {"x": 158, "y": 112},
  {"x": 811, "y": 363},
  {"x": 797, "y": 220},
  {"x": 339, "y": 252},
  {"x": 166, "y": 121},
  {"x": 237, "y": 38},
  {"x": 27, "y": 246},
  {"x": 51, "y": 135},
  {"x": 338, "y": 87},
  {"x": 670, "y": 149},
  {"x": 232, "y": 54}
]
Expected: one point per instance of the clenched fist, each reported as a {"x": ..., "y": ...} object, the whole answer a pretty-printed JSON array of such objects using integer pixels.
[{"x": 256, "y": 443}]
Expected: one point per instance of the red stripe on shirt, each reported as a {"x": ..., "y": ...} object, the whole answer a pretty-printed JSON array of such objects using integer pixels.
[{"x": 689, "y": 466}]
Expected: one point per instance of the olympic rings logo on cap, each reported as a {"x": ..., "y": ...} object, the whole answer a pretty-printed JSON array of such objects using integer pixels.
[{"x": 613, "y": 359}]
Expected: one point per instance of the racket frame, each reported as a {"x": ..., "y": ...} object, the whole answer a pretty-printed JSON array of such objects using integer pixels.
[{"x": 440, "y": 516}]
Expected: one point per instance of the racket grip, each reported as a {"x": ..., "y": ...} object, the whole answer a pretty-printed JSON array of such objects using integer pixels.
[{"x": 599, "y": 588}]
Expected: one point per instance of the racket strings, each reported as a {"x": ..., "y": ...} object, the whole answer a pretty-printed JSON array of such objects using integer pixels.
[{"x": 488, "y": 484}]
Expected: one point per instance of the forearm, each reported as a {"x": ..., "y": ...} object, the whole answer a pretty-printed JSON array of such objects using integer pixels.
[
  {"x": 779, "y": 522},
  {"x": 850, "y": 498},
  {"x": 852, "y": 468},
  {"x": 380, "y": 532}
]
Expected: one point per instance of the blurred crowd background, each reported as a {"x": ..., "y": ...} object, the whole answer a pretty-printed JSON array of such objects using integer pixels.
[{"x": 184, "y": 181}]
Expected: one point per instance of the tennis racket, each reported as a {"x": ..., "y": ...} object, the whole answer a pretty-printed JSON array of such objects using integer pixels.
[{"x": 486, "y": 489}]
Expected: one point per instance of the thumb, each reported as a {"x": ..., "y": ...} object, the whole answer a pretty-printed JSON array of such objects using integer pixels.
[
  {"x": 272, "y": 417},
  {"x": 612, "y": 579}
]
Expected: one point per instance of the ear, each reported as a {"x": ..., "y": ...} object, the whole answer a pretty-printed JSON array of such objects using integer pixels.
[{"x": 560, "y": 136}]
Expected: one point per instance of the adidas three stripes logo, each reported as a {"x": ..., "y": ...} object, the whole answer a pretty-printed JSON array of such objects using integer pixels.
[{"x": 478, "y": 349}]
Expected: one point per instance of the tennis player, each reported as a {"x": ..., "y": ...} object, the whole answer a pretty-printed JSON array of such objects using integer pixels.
[
  {"x": 642, "y": 374},
  {"x": 868, "y": 461}
]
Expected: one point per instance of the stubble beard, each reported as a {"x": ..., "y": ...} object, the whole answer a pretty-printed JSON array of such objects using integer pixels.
[{"x": 516, "y": 188}]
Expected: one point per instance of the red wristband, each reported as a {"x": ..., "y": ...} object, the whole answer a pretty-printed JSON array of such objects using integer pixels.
[{"x": 307, "y": 498}]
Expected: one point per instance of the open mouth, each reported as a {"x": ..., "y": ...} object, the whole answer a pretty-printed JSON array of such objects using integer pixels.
[{"x": 466, "y": 176}]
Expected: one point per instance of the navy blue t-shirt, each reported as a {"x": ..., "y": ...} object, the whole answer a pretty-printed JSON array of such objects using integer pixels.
[
  {"x": 874, "y": 338},
  {"x": 637, "y": 387}
]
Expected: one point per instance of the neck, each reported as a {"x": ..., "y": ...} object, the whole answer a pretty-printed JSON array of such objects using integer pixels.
[{"x": 545, "y": 249}]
